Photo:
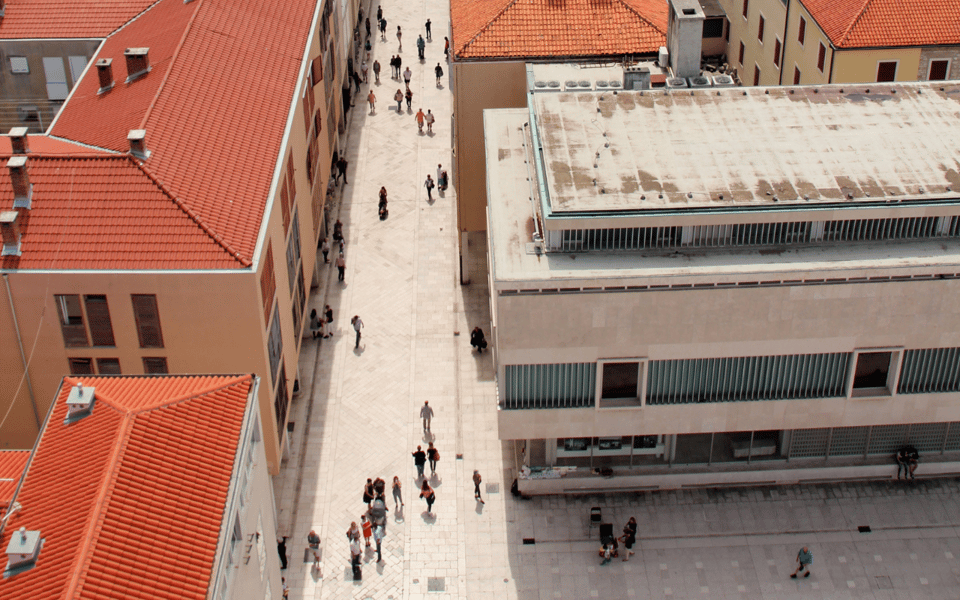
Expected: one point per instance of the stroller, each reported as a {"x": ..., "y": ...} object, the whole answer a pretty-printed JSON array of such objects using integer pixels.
[{"x": 378, "y": 513}]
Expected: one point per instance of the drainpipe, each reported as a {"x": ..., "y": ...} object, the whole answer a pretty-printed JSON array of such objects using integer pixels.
[
  {"x": 833, "y": 55},
  {"x": 783, "y": 46},
  {"x": 23, "y": 357}
]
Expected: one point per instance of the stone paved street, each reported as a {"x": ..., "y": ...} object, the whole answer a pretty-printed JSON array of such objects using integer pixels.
[{"x": 356, "y": 416}]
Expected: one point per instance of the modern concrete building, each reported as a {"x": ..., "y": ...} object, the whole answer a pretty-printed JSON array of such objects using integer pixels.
[
  {"x": 145, "y": 487},
  {"x": 167, "y": 220},
  {"x": 704, "y": 286},
  {"x": 784, "y": 42}
]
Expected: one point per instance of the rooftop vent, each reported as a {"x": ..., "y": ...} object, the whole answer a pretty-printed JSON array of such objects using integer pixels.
[
  {"x": 79, "y": 402},
  {"x": 138, "y": 146},
  {"x": 700, "y": 82},
  {"x": 723, "y": 81},
  {"x": 676, "y": 82},
  {"x": 10, "y": 230},
  {"x": 636, "y": 78},
  {"x": 138, "y": 63},
  {"x": 18, "y": 140},
  {"x": 23, "y": 549},
  {"x": 105, "y": 73},
  {"x": 22, "y": 188}
]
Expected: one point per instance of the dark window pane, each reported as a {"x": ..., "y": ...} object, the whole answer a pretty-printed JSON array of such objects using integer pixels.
[
  {"x": 275, "y": 344},
  {"x": 802, "y": 33},
  {"x": 148, "y": 320},
  {"x": 822, "y": 58},
  {"x": 713, "y": 27},
  {"x": 81, "y": 366},
  {"x": 938, "y": 70},
  {"x": 872, "y": 369},
  {"x": 98, "y": 313},
  {"x": 620, "y": 380},
  {"x": 268, "y": 283},
  {"x": 154, "y": 365},
  {"x": 281, "y": 403},
  {"x": 108, "y": 366},
  {"x": 71, "y": 320},
  {"x": 887, "y": 71}
]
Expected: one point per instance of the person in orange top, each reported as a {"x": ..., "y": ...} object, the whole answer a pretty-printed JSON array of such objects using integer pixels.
[{"x": 420, "y": 118}]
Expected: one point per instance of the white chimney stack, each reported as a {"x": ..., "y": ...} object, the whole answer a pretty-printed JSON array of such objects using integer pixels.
[
  {"x": 22, "y": 188},
  {"x": 23, "y": 549},
  {"x": 10, "y": 230},
  {"x": 79, "y": 402},
  {"x": 685, "y": 37},
  {"x": 138, "y": 144}
]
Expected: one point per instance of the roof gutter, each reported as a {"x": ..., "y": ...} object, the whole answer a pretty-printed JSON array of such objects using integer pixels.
[{"x": 23, "y": 357}]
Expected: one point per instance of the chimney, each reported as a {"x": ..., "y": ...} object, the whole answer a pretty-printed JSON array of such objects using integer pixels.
[
  {"x": 138, "y": 146},
  {"x": 22, "y": 188},
  {"x": 685, "y": 37},
  {"x": 105, "y": 72},
  {"x": 23, "y": 549},
  {"x": 18, "y": 138},
  {"x": 10, "y": 230},
  {"x": 79, "y": 402},
  {"x": 3, "y": 7},
  {"x": 137, "y": 62}
]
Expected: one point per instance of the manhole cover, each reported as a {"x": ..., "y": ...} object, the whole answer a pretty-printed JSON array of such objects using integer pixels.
[
  {"x": 493, "y": 488},
  {"x": 435, "y": 584}
]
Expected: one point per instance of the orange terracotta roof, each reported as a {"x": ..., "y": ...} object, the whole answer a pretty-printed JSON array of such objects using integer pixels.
[
  {"x": 887, "y": 23},
  {"x": 130, "y": 500},
  {"x": 11, "y": 469},
  {"x": 67, "y": 18},
  {"x": 552, "y": 28},
  {"x": 105, "y": 212}
]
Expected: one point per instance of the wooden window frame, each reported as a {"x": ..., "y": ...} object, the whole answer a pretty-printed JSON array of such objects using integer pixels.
[
  {"x": 69, "y": 327},
  {"x": 98, "y": 320},
  {"x": 150, "y": 364},
  {"x": 139, "y": 318},
  {"x": 102, "y": 362},
  {"x": 74, "y": 361}
]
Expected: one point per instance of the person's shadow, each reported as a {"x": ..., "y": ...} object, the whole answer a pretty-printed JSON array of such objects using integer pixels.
[
  {"x": 480, "y": 506},
  {"x": 428, "y": 518}
]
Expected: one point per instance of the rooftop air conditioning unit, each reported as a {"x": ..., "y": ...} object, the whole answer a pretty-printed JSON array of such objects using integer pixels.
[
  {"x": 723, "y": 81},
  {"x": 676, "y": 83},
  {"x": 700, "y": 81},
  {"x": 663, "y": 57}
]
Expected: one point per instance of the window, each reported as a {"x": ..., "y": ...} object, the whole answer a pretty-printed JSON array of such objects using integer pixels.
[
  {"x": 938, "y": 70},
  {"x": 293, "y": 252},
  {"x": 81, "y": 366},
  {"x": 802, "y": 31},
  {"x": 281, "y": 403},
  {"x": 268, "y": 282},
  {"x": 275, "y": 344},
  {"x": 741, "y": 54},
  {"x": 756, "y": 74},
  {"x": 56, "y": 78},
  {"x": 285, "y": 205},
  {"x": 796, "y": 76},
  {"x": 155, "y": 365},
  {"x": 101, "y": 330},
  {"x": 746, "y": 7},
  {"x": 108, "y": 366},
  {"x": 148, "y": 320},
  {"x": 873, "y": 373},
  {"x": 821, "y": 57},
  {"x": 19, "y": 64},
  {"x": 298, "y": 304},
  {"x": 887, "y": 71},
  {"x": 77, "y": 65},
  {"x": 763, "y": 23},
  {"x": 620, "y": 385},
  {"x": 316, "y": 70},
  {"x": 777, "y": 48},
  {"x": 71, "y": 320},
  {"x": 713, "y": 27}
]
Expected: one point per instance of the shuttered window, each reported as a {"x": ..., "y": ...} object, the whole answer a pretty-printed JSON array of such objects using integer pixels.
[
  {"x": 81, "y": 366},
  {"x": 275, "y": 345},
  {"x": 550, "y": 386},
  {"x": 98, "y": 313},
  {"x": 933, "y": 370},
  {"x": 108, "y": 366},
  {"x": 147, "y": 318},
  {"x": 281, "y": 403},
  {"x": 155, "y": 365},
  {"x": 71, "y": 320}
]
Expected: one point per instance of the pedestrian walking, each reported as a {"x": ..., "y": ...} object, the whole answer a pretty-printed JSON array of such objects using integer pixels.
[
  {"x": 353, "y": 533},
  {"x": 367, "y": 529},
  {"x": 356, "y": 82},
  {"x": 439, "y": 173},
  {"x": 420, "y": 119},
  {"x": 399, "y": 39},
  {"x": 443, "y": 181},
  {"x": 379, "y": 13},
  {"x": 429, "y": 185},
  {"x": 438, "y": 70},
  {"x": 372, "y": 99},
  {"x": 409, "y": 97},
  {"x": 421, "y": 45},
  {"x": 429, "y": 118},
  {"x": 427, "y": 493},
  {"x": 477, "y": 340},
  {"x": 399, "y": 65},
  {"x": 282, "y": 551},
  {"x": 363, "y": 68},
  {"x": 367, "y": 23},
  {"x": 376, "y": 71},
  {"x": 907, "y": 460},
  {"x": 804, "y": 560},
  {"x": 341, "y": 266},
  {"x": 397, "y": 493},
  {"x": 476, "y": 486},
  {"x": 338, "y": 232},
  {"x": 419, "y": 459},
  {"x": 407, "y": 76},
  {"x": 325, "y": 250},
  {"x": 367, "y": 46},
  {"x": 315, "y": 327},
  {"x": 433, "y": 455},
  {"x": 368, "y": 492},
  {"x": 355, "y": 552},
  {"x": 426, "y": 413},
  {"x": 357, "y": 325},
  {"x": 313, "y": 542},
  {"x": 399, "y": 99},
  {"x": 446, "y": 48},
  {"x": 383, "y": 197},
  {"x": 328, "y": 315},
  {"x": 284, "y": 588},
  {"x": 629, "y": 538},
  {"x": 429, "y": 33},
  {"x": 606, "y": 551},
  {"x": 383, "y": 30},
  {"x": 342, "y": 172},
  {"x": 393, "y": 67},
  {"x": 378, "y": 535}
]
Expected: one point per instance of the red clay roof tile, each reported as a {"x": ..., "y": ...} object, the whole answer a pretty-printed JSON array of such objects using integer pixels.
[
  {"x": 11, "y": 469},
  {"x": 887, "y": 23},
  {"x": 118, "y": 495},
  {"x": 67, "y": 18},
  {"x": 556, "y": 28}
]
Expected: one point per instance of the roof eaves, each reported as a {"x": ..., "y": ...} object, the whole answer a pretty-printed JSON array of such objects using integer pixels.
[{"x": 243, "y": 260}]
